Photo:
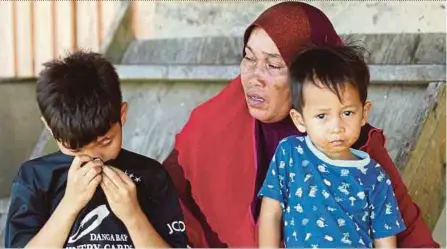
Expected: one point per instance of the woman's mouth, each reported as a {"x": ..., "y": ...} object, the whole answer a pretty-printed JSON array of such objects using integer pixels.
[{"x": 255, "y": 100}]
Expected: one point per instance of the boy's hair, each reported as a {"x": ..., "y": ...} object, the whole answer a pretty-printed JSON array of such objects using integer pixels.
[
  {"x": 333, "y": 67},
  {"x": 79, "y": 97}
]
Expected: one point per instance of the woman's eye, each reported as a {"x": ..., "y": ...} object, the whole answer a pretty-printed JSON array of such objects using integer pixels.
[
  {"x": 249, "y": 58},
  {"x": 274, "y": 67}
]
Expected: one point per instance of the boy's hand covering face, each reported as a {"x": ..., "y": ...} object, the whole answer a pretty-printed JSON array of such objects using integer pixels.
[
  {"x": 83, "y": 177},
  {"x": 92, "y": 159},
  {"x": 120, "y": 192},
  {"x": 87, "y": 173}
]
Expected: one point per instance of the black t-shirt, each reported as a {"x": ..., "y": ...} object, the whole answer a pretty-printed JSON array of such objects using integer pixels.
[{"x": 40, "y": 186}]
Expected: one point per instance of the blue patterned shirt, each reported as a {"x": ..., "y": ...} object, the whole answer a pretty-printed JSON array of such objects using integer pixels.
[{"x": 330, "y": 203}]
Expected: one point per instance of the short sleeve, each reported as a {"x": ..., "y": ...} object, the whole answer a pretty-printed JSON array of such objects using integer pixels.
[
  {"x": 385, "y": 215},
  {"x": 274, "y": 185},
  {"x": 167, "y": 216},
  {"x": 27, "y": 214}
]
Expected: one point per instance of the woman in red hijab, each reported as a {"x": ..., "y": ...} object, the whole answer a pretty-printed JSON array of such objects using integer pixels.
[{"x": 221, "y": 156}]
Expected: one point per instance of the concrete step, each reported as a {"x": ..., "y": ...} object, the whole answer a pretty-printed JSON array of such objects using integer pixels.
[
  {"x": 380, "y": 74},
  {"x": 402, "y": 48}
]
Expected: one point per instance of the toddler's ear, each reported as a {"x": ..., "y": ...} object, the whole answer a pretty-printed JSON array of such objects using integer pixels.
[
  {"x": 298, "y": 120},
  {"x": 366, "y": 110}
]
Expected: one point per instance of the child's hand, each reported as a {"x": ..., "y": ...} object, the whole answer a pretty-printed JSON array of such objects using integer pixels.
[
  {"x": 121, "y": 193},
  {"x": 82, "y": 181}
]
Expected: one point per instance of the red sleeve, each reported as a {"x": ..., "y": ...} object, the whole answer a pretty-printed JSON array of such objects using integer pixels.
[
  {"x": 199, "y": 232},
  {"x": 417, "y": 233}
]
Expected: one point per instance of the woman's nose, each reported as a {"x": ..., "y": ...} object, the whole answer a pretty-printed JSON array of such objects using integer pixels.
[
  {"x": 258, "y": 78},
  {"x": 260, "y": 69}
]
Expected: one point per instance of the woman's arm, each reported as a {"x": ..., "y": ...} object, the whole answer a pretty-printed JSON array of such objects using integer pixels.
[{"x": 417, "y": 233}]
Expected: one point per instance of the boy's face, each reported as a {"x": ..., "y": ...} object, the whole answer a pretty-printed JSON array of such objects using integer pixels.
[
  {"x": 333, "y": 126},
  {"x": 106, "y": 147}
]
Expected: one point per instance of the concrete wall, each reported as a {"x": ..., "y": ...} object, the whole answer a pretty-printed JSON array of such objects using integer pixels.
[
  {"x": 192, "y": 19},
  {"x": 20, "y": 127}
]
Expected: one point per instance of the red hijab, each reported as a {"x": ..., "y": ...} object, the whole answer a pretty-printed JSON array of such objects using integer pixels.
[{"x": 217, "y": 146}]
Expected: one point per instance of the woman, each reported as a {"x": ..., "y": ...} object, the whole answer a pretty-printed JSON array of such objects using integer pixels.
[{"x": 221, "y": 156}]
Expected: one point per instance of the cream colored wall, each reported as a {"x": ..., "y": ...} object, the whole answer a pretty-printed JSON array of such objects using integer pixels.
[{"x": 168, "y": 19}]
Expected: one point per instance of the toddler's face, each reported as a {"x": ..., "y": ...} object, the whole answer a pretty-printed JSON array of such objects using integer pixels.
[{"x": 332, "y": 125}]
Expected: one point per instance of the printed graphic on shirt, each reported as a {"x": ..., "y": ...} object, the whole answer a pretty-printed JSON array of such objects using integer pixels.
[
  {"x": 98, "y": 228},
  {"x": 176, "y": 226},
  {"x": 135, "y": 178},
  {"x": 94, "y": 218}
]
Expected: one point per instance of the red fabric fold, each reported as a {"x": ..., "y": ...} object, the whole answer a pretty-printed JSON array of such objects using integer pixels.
[{"x": 217, "y": 145}]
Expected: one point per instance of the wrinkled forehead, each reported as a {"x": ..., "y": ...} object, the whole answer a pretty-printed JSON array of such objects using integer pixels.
[{"x": 259, "y": 42}]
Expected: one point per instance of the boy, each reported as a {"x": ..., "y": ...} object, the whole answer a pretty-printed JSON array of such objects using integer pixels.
[
  {"x": 91, "y": 193},
  {"x": 328, "y": 194}
]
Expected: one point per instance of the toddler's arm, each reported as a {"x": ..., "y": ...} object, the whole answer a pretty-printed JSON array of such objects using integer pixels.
[
  {"x": 270, "y": 223},
  {"x": 388, "y": 242}
]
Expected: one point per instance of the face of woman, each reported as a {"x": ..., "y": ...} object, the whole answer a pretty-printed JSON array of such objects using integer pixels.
[{"x": 264, "y": 76}]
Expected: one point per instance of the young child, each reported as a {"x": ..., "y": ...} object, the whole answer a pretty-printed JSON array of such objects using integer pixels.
[
  {"x": 91, "y": 193},
  {"x": 318, "y": 190}
]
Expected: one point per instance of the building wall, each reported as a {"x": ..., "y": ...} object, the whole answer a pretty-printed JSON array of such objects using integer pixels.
[
  {"x": 19, "y": 129},
  {"x": 192, "y": 19}
]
